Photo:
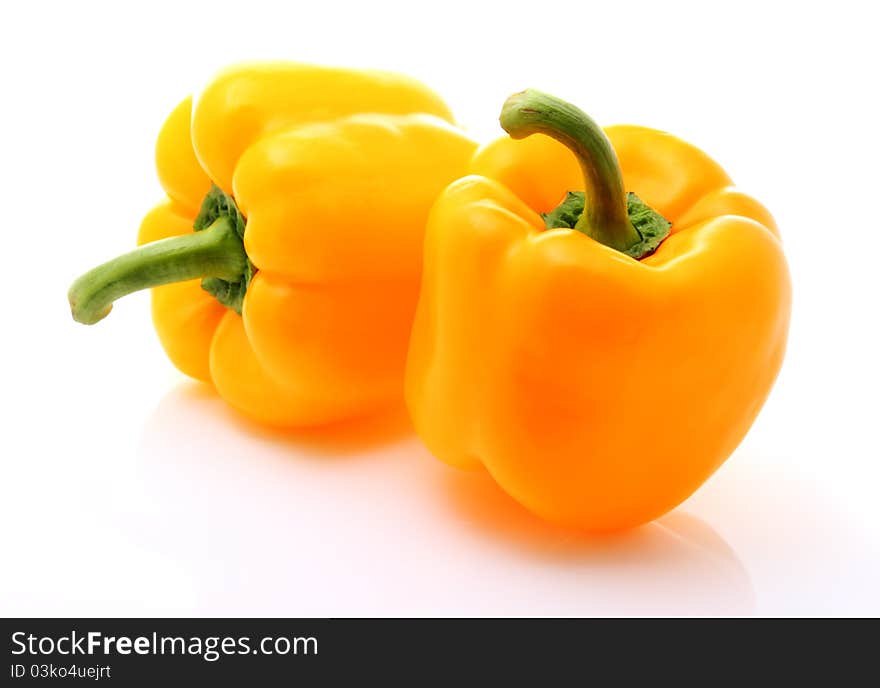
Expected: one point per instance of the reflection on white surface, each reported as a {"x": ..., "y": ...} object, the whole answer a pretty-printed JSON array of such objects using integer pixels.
[
  {"x": 197, "y": 512},
  {"x": 372, "y": 525}
]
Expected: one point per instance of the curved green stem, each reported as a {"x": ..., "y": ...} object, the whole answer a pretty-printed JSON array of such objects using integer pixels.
[
  {"x": 605, "y": 216},
  {"x": 216, "y": 251}
]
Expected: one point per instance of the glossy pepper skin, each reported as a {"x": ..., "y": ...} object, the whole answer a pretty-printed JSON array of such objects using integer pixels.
[
  {"x": 598, "y": 390},
  {"x": 334, "y": 171}
]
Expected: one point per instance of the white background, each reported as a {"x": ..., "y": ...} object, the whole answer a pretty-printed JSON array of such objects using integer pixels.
[{"x": 127, "y": 490}]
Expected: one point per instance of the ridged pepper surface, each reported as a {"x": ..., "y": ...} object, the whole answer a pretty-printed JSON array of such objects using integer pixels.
[
  {"x": 598, "y": 362},
  {"x": 285, "y": 262}
]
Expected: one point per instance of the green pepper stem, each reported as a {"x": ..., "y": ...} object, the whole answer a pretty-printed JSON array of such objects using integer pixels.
[
  {"x": 605, "y": 217},
  {"x": 216, "y": 251}
]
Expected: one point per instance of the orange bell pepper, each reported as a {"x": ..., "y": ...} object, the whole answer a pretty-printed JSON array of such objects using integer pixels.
[
  {"x": 286, "y": 259},
  {"x": 600, "y": 364}
]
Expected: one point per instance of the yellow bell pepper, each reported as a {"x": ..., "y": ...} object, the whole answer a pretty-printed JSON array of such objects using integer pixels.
[
  {"x": 289, "y": 246},
  {"x": 598, "y": 362}
]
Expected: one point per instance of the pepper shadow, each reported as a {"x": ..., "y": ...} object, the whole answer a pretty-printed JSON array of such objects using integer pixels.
[
  {"x": 267, "y": 523},
  {"x": 335, "y": 440},
  {"x": 479, "y": 499},
  {"x": 677, "y": 564}
]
